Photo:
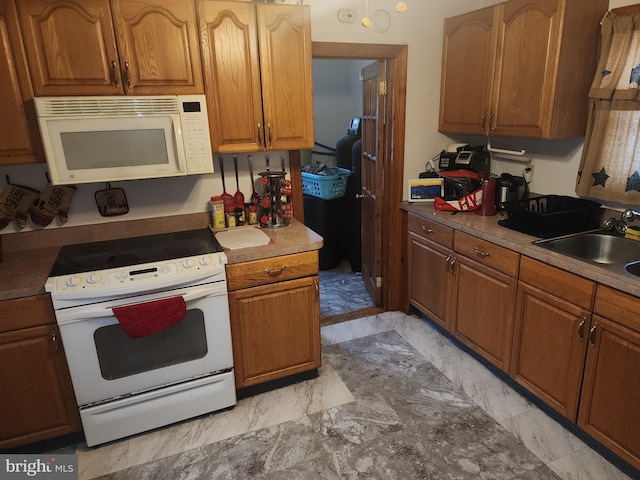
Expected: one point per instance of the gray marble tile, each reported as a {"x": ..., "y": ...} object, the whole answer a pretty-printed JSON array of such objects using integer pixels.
[
  {"x": 394, "y": 400},
  {"x": 208, "y": 462},
  {"x": 273, "y": 449}
]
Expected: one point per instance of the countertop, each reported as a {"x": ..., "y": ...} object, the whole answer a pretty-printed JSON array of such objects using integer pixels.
[
  {"x": 28, "y": 257},
  {"x": 487, "y": 228}
]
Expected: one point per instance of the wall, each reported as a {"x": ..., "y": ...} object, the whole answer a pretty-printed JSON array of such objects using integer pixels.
[
  {"x": 556, "y": 161},
  {"x": 421, "y": 29}
]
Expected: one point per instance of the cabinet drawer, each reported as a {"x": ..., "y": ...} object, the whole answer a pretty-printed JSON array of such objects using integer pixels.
[
  {"x": 26, "y": 312},
  {"x": 618, "y": 306},
  {"x": 271, "y": 270},
  {"x": 487, "y": 253},
  {"x": 570, "y": 287},
  {"x": 431, "y": 230}
]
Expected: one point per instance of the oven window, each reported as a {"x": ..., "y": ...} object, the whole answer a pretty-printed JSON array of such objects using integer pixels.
[{"x": 121, "y": 356}]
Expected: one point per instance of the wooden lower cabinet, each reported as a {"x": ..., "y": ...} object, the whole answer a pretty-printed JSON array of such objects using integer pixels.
[
  {"x": 274, "y": 305},
  {"x": 483, "y": 311},
  {"x": 611, "y": 393},
  {"x": 37, "y": 400},
  {"x": 484, "y": 298},
  {"x": 430, "y": 279},
  {"x": 549, "y": 343},
  {"x": 430, "y": 276},
  {"x": 275, "y": 330}
]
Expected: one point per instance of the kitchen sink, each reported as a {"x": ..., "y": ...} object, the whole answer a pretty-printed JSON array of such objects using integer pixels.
[{"x": 601, "y": 248}]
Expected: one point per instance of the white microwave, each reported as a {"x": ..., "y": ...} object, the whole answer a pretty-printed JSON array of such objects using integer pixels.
[{"x": 104, "y": 139}]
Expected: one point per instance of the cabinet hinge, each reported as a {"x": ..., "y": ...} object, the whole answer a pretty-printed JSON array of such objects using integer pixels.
[
  {"x": 382, "y": 87},
  {"x": 378, "y": 282}
]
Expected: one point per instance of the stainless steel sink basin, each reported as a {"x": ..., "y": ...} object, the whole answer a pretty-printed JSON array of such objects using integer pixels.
[{"x": 617, "y": 254}]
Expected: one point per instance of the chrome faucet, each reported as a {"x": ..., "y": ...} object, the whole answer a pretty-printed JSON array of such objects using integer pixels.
[
  {"x": 629, "y": 215},
  {"x": 620, "y": 226}
]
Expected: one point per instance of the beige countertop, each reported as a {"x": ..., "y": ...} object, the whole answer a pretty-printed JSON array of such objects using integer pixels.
[
  {"x": 487, "y": 228},
  {"x": 28, "y": 257}
]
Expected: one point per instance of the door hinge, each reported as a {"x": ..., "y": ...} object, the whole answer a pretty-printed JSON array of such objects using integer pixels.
[
  {"x": 378, "y": 282},
  {"x": 382, "y": 87}
]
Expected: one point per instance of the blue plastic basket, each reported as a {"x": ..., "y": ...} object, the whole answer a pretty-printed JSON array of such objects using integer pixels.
[{"x": 326, "y": 187}]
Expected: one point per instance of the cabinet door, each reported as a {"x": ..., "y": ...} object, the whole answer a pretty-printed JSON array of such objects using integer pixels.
[
  {"x": 71, "y": 47},
  {"x": 159, "y": 48},
  {"x": 275, "y": 330},
  {"x": 37, "y": 400},
  {"x": 20, "y": 139},
  {"x": 484, "y": 311},
  {"x": 232, "y": 75},
  {"x": 526, "y": 68},
  {"x": 287, "y": 83},
  {"x": 549, "y": 346},
  {"x": 430, "y": 279},
  {"x": 611, "y": 392},
  {"x": 467, "y": 71}
]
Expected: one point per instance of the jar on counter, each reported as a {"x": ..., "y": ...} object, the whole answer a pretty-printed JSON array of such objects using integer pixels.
[
  {"x": 218, "y": 219},
  {"x": 253, "y": 214},
  {"x": 231, "y": 217},
  {"x": 239, "y": 216}
]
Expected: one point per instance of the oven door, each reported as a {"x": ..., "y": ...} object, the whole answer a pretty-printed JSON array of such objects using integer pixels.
[{"x": 106, "y": 363}]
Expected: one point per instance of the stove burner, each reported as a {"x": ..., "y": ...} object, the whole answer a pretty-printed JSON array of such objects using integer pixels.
[{"x": 126, "y": 252}]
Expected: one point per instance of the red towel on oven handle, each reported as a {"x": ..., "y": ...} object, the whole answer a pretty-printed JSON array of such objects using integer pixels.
[{"x": 142, "y": 319}]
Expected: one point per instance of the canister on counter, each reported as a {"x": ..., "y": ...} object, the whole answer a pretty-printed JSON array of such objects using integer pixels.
[
  {"x": 217, "y": 212},
  {"x": 231, "y": 216}
]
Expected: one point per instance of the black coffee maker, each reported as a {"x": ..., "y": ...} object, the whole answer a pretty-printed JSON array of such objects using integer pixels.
[{"x": 466, "y": 158}]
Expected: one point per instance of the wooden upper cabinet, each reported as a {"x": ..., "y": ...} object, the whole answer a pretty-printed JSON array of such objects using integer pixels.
[
  {"x": 467, "y": 71},
  {"x": 257, "y": 69},
  {"x": 20, "y": 139},
  {"x": 232, "y": 74},
  {"x": 72, "y": 47},
  {"x": 159, "y": 46},
  {"x": 287, "y": 82},
  {"x": 538, "y": 68}
]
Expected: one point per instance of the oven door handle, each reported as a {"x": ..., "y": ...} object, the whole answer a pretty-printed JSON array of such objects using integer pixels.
[{"x": 104, "y": 309}]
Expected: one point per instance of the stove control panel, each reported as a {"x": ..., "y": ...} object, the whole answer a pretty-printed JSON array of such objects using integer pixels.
[{"x": 136, "y": 277}]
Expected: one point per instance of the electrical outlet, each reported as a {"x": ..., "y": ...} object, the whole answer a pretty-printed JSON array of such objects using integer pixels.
[{"x": 528, "y": 172}]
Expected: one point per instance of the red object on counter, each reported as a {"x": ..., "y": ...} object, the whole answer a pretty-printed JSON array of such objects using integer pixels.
[{"x": 142, "y": 319}]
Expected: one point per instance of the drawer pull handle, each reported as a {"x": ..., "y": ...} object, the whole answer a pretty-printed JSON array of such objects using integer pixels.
[
  {"x": 427, "y": 230},
  {"x": 273, "y": 273},
  {"x": 481, "y": 253}
]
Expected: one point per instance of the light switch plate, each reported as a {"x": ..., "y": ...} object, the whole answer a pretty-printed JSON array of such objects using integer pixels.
[{"x": 347, "y": 15}]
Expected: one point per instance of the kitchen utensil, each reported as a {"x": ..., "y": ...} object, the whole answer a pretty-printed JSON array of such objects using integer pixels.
[
  {"x": 238, "y": 197},
  {"x": 255, "y": 198},
  {"x": 282, "y": 161},
  {"x": 226, "y": 197}
]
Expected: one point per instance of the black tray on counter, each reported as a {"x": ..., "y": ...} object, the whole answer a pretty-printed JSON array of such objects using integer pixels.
[{"x": 551, "y": 215}]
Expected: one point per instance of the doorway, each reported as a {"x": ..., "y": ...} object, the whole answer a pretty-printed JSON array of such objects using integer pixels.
[{"x": 389, "y": 254}]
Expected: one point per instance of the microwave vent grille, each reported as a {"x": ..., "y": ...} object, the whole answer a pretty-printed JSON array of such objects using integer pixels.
[{"x": 106, "y": 106}]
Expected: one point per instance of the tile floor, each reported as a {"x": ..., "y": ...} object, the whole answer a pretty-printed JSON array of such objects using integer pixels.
[
  {"x": 394, "y": 399},
  {"x": 342, "y": 291}
]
